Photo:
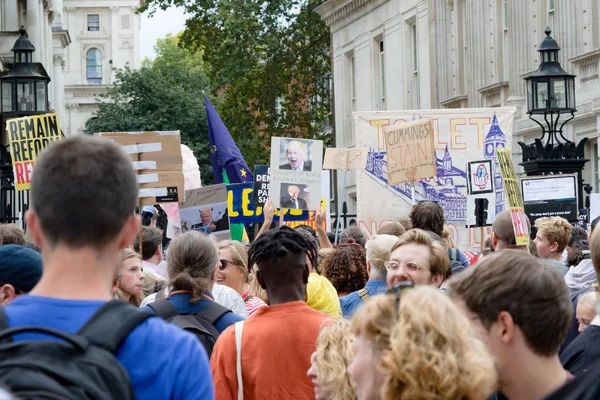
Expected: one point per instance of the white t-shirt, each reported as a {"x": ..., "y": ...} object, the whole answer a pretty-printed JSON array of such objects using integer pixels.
[{"x": 223, "y": 295}]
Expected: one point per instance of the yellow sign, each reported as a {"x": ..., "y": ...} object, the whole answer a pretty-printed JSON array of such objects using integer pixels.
[
  {"x": 515, "y": 200},
  {"x": 27, "y": 137}
]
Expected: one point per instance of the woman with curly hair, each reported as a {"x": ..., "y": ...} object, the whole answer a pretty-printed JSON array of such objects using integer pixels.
[
  {"x": 414, "y": 343},
  {"x": 330, "y": 361},
  {"x": 346, "y": 268}
]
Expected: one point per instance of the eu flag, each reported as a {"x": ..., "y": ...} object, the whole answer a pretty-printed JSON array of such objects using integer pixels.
[{"x": 228, "y": 163}]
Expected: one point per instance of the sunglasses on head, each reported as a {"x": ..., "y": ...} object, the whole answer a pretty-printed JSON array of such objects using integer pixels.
[{"x": 399, "y": 288}]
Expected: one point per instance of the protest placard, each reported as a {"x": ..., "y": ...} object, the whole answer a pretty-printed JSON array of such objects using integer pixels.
[
  {"x": 157, "y": 160},
  {"x": 27, "y": 137},
  {"x": 480, "y": 177},
  {"x": 549, "y": 196},
  {"x": 345, "y": 159},
  {"x": 513, "y": 194},
  {"x": 325, "y": 202},
  {"x": 206, "y": 210},
  {"x": 486, "y": 210},
  {"x": 296, "y": 166},
  {"x": 262, "y": 178},
  {"x": 410, "y": 151},
  {"x": 242, "y": 210}
]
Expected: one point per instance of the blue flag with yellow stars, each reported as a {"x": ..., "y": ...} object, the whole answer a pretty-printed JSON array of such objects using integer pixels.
[{"x": 228, "y": 163}]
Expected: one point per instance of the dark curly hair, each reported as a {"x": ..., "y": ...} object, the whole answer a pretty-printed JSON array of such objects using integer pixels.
[{"x": 346, "y": 268}]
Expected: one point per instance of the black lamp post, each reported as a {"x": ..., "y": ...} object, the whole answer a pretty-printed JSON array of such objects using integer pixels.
[
  {"x": 24, "y": 89},
  {"x": 551, "y": 94}
]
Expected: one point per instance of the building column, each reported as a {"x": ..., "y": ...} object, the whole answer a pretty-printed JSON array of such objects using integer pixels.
[
  {"x": 33, "y": 29},
  {"x": 59, "y": 88},
  {"x": 71, "y": 129},
  {"x": 11, "y": 16},
  {"x": 135, "y": 19}
]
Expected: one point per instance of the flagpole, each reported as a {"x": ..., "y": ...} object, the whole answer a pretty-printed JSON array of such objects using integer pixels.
[{"x": 340, "y": 205}]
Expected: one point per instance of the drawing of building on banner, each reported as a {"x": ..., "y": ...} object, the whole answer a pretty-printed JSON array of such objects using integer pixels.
[
  {"x": 495, "y": 139},
  {"x": 446, "y": 188}
]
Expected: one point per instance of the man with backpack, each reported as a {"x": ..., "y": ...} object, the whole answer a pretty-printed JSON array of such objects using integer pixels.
[{"x": 83, "y": 193}]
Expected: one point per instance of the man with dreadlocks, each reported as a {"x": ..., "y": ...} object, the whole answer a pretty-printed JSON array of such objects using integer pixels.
[{"x": 277, "y": 342}]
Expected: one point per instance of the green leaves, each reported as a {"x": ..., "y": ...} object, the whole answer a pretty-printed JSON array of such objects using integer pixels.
[
  {"x": 256, "y": 52},
  {"x": 165, "y": 94}
]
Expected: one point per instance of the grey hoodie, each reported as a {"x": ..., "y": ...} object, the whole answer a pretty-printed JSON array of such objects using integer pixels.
[{"x": 582, "y": 276}]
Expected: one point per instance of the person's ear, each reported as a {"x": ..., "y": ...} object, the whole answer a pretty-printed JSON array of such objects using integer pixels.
[
  {"x": 305, "y": 274},
  {"x": 7, "y": 294},
  {"x": 494, "y": 240},
  {"x": 368, "y": 267},
  {"x": 158, "y": 251},
  {"x": 437, "y": 279},
  {"x": 505, "y": 327},
  {"x": 130, "y": 229},
  {"x": 261, "y": 282},
  {"x": 554, "y": 247},
  {"x": 33, "y": 227}
]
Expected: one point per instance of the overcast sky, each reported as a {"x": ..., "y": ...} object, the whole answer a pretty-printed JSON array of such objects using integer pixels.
[{"x": 163, "y": 22}]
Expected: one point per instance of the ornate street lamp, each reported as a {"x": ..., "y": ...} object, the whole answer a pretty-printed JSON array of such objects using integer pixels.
[
  {"x": 24, "y": 89},
  {"x": 551, "y": 95}
]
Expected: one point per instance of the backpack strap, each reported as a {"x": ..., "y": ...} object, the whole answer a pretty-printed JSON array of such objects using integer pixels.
[
  {"x": 112, "y": 323},
  {"x": 363, "y": 294},
  {"x": 3, "y": 321},
  {"x": 164, "y": 309},
  {"x": 212, "y": 312}
]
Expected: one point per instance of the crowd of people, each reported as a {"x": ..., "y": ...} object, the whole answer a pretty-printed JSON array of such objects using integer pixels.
[{"x": 401, "y": 315}]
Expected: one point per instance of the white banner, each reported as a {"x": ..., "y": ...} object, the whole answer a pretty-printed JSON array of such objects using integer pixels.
[{"x": 460, "y": 136}]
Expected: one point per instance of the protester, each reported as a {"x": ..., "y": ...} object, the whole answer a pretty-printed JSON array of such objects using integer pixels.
[
  {"x": 346, "y": 268},
  {"x": 20, "y": 271},
  {"x": 151, "y": 250},
  {"x": 413, "y": 343},
  {"x": 277, "y": 342},
  {"x": 429, "y": 216},
  {"x": 406, "y": 223},
  {"x": 81, "y": 251},
  {"x": 12, "y": 234},
  {"x": 553, "y": 235},
  {"x": 191, "y": 260},
  {"x": 353, "y": 234},
  {"x": 378, "y": 253},
  {"x": 393, "y": 228},
  {"x": 520, "y": 308},
  {"x": 131, "y": 278},
  {"x": 582, "y": 276},
  {"x": 233, "y": 272},
  {"x": 330, "y": 362},
  {"x": 503, "y": 233},
  {"x": 417, "y": 259},
  {"x": 586, "y": 311}
]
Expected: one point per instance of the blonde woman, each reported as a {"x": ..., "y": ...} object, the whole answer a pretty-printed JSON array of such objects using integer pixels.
[
  {"x": 330, "y": 361},
  {"x": 131, "y": 278},
  {"x": 414, "y": 343},
  {"x": 233, "y": 272}
]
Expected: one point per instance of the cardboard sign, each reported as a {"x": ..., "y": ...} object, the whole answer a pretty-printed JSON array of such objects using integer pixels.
[
  {"x": 345, "y": 159},
  {"x": 156, "y": 158},
  {"x": 410, "y": 151},
  {"x": 296, "y": 166},
  {"x": 513, "y": 194},
  {"x": 480, "y": 176},
  {"x": 262, "y": 184},
  {"x": 242, "y": 210},
  {"x": 27, "y": 137},
  {"x": 549, "y": 196},
  {"x": 325, "y": 202},
  {"x": 206, "y": 210}
]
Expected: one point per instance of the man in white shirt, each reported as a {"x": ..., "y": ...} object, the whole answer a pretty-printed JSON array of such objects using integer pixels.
[{"x": 151, "y": 250}]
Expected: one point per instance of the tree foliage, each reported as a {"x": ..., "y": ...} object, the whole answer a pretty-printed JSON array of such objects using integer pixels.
[
  {"x": 256, "y": 53},
  {"x": 164, "y": 94}
]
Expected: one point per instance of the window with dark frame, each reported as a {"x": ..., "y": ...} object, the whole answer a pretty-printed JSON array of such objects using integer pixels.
[{"x": 93, "y": 22}]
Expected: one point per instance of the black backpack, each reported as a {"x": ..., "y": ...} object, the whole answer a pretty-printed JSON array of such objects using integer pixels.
[
  {"x": 200, "y": 324},
  {"x": 80, "y": 366}
]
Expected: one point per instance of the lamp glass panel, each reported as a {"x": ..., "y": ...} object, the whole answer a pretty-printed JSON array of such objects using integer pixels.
[
  {"x": 41, "y": 98},
  {"x": 541, "y": 94},
  {"x": 25, "y": 96},
  {"x": 7, "y": 97},
  {"x": 559, "y": 95}
]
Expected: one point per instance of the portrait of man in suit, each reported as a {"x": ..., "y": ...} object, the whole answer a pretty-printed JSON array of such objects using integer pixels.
[
  {"x": 206, "y": 224},
  {"x": 292, "y": 201},
  {"x": 296, "y": 154}
]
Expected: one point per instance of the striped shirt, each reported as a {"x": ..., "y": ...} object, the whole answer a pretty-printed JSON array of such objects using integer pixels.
[{"x": 253, "y": 303}]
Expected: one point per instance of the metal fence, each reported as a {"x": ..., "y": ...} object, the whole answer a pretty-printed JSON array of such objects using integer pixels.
[{"x": 13, "y": 203}]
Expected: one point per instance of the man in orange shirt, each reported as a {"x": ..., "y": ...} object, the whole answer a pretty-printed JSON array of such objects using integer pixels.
[{"x": 277, "y": 342}]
